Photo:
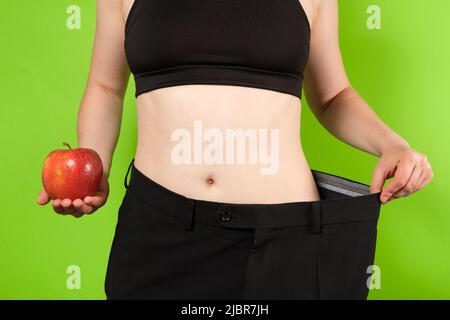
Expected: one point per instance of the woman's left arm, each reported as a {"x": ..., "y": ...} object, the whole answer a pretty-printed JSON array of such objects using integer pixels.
[{"x": 342, "y": 111}]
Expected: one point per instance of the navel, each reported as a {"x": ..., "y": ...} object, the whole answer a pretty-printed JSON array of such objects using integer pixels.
[{"x": 210, "y": 181}]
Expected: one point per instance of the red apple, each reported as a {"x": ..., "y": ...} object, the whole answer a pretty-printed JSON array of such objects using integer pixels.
[{"x": 72, "y": 174}]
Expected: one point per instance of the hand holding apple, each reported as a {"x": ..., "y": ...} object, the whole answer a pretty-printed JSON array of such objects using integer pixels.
[{"x": 74, "y": 180}]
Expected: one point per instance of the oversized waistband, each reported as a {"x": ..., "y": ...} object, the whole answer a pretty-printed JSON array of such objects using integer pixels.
[{"x": 335, "y": 210}]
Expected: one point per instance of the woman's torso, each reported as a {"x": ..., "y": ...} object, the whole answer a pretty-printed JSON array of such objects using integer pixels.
[{"x": 186, "y": 133}]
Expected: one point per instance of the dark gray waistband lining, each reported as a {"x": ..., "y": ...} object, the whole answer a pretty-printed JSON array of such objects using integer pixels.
[{"x": 341, "y": 185}]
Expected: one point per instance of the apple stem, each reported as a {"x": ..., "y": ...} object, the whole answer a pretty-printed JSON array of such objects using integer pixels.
[{"x": 67, "y": 145}]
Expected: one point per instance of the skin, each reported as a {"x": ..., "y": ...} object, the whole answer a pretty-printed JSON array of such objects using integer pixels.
[{"x": 336, "y": 105}]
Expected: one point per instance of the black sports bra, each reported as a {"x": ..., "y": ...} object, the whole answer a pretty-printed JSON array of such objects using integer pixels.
[{"x": 254, "y": 43}]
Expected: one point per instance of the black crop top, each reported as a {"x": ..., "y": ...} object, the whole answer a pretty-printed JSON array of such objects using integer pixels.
[{"x": 254, "y": 43}]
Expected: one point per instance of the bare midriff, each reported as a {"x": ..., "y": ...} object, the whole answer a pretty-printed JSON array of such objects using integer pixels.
[{"x": 186, "y": 134}]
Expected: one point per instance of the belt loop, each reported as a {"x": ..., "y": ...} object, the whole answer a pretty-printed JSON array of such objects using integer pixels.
[
  {"x": 189, "y": 216},
  {"x": 317, "y": 219},
  {"x": 126, "y": 176}
]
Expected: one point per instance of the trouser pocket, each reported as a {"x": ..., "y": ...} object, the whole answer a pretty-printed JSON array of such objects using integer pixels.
[
  {"x": 345, "y": 253},
  {"x": 123, "y": 211}
]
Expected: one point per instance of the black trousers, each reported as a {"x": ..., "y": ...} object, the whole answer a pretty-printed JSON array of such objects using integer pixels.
[{"x": 167, "y": 246}]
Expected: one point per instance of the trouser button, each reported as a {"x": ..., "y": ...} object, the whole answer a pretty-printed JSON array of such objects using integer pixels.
[{"x": 225, "y": 215}]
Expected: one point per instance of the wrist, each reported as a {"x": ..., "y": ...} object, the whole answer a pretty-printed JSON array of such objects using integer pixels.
[{"x": 394, "y": 143}]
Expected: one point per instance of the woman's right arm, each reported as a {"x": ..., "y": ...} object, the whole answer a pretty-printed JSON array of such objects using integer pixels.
[{"x": 100, "y": 112}]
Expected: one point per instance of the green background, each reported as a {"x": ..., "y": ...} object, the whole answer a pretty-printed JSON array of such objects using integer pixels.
[{"x": 402, "y": 70}]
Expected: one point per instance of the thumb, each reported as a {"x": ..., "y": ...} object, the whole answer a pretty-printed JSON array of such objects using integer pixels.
[
  {"x": 378, "y": 179},
  {"x": 43, "y": 197}
]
